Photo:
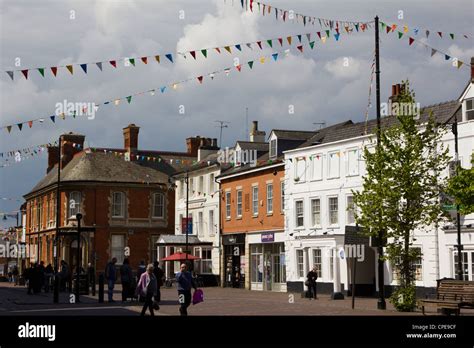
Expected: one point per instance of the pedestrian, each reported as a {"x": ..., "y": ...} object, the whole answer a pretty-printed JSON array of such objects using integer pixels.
[
  {"x": 185, "y": 282},
  {"x": 15, "y": 274},
  {"x": 160, "y": 276},
  {"x": 40, "y": 275},
  {"x": 10, "y": 276},
  {"x": 63, "y": 275},
  {"x": 111, "y": 276},
  {"x": 126, "y": 279},
  {"x": 48, "y": 274},
  {"x": 28, "y": 274},
  {"x": 312, "y": 276},
  {"x": 91, "y": 276},
  {"x": 147, "y": 287},
  {"x": 141, "y": 269}
]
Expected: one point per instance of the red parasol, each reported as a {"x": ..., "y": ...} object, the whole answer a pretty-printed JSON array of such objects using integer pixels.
[{"x": 180, "y": 257}]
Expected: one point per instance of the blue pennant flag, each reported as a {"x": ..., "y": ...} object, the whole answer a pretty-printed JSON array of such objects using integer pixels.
[
  {"x": 84, "y": 67},
  {"x": 275, "y": 56},
  {"x": 337, "y": 36},
  {"x": 162, "y": 89},
  {"x": 238, "y": 47},
  {"x": 170, "y": 57}
]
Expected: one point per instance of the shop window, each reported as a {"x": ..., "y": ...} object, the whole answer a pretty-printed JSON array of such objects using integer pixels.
[
  {"x": 204, "y": 265},
  {"x": 256, "y": 253}
]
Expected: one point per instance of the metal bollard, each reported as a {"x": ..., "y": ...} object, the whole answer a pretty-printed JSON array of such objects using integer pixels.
[
  {"x": 56, "y": 289},
  {"x": 93, "y": 284},
  {"x": 101, "y": 288}
]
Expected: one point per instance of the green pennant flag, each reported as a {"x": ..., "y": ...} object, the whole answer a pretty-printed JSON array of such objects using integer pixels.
[
  {"x": 251, "y": 64},
  {"x": 328, "y": 33},
  {"x": 311, "y": 44},
  {"x": 204, "y": 53},
  {"x": 132, "y": 61},
  {"x": 452, "y": 36},
  {"x": 400, "y": 34},
  {"x": 270, "y": 43},
  {"x": 129, "y": 99},
  {"x": 383, "y": 25},
  {"x": 41, "y": 71}
]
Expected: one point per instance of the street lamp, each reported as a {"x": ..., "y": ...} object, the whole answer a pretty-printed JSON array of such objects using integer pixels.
[{"x": 78, "y": 255}]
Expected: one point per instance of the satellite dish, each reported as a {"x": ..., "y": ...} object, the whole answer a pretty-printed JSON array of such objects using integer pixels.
[{"x": 342, "y": 253}]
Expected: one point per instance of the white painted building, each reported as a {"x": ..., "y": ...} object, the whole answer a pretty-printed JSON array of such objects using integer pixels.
[{"x": 319, "y": 177}]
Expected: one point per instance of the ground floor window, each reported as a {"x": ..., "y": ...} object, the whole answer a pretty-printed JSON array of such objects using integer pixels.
[
  {"x": 467, "y": 260},
  {"x": 267, "y": 263},
  {"x": 300, "y": 263},
  {"x": 118, "y": 246},
  {"x": 416, "y": 266},
  {"x": 204, "y": 265},
  {"x": 317, "y": 261}
]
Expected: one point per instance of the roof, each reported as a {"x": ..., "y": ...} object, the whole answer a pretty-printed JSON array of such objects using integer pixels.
[
  {"x": 101, "y": 167},
  {"x": 442, "y": 112},
  {"x": 292, "y": 134},
  {"x": 253, "y": 145},
  {"x": 177, "y": 239}
]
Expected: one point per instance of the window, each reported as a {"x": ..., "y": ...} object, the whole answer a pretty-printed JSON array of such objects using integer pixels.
[
  {"x": 273, "y": 148},
  {"x": 118, "y": 246},
  {"x": 204, "y": 265},
  {"x": 470, "y": 109},
  {"x": 118, "y": 204},
  {"x": 352, "y": 162},
  {"x": 333, "y": 171},
  {"x": 350, "y": 210},
  {"x": 317, "y": 165},
  {"x": 317, "y": 261},
  {"x": 74, "y": 203},
  {"x": 211, "y": 222},
  {"x": 316, "y": 212},
  {"x": 300, "y": 169},
  {"x": 333, "y": 211},
  {"x": 255, "y": 200},
  {"x": 158, "y": 205},
  {"x": 201, "y": 185},
  {"x": 52, "y": 212},
  {"x": 181, "y": 188},
  {"x": 180, "y": 223},
  {"x": 227, "y": 205},
  {"x": 48, "y": 210},
  {"x": 154, "y": 248},
  {"x": 256, "y": 254},
  {"x": 331, "y": 264},
  {"x": 191, "y": 186},
  {"x": 269, "y": 198},
  {"x": 299, "y": 214},
  {"x": 211, "y": 182},
  {"x": 300, "y": 263},
  {"x": 200, "y": 230},
  {"x": 239, "y": 203},
  {"x": 415, "y": 265},
  {"x": 40, "y": 214},
  {"x": 467, "y": 260},
  {"x": 282, "y": 184}
]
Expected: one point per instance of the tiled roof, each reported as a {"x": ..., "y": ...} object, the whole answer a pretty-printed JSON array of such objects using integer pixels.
[
  {"x": 101, "y": 167},
  {"x": 293, "y": 134},
  {"x": 253, "y": 145}
]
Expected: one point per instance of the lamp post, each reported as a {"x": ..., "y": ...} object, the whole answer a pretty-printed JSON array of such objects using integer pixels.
[
  {"x": 56, "y": 241},
  {"x": 187, "y": 214},
  {"x": 78, "y": 255}
]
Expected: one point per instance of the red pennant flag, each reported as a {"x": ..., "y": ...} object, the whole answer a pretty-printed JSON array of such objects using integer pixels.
[
  {"x": 25, "y": 73},
  {"x": 388, "y": 29},
  {"x": 54, "y": 70},
  {"x": 259, "y": 43},
  {"x": 239, "y": 67},
  {"x": 145, "y": 60},
  {"x": 193, "y": 53},
  {"x": 218, "y": 50},
  {"x": 300, "y": 47},
  {"x": 200, "y": 79},
  {"x": 30, "y": 123},
  {"x": 394, "y": 26},
  {"x": 319, "y": 34},
  {"x": 280, "y": 40},
  {"x": 410, "y": 41},
  {"x": 440, "y": 34},
  {"x": 113, "y": 63}
]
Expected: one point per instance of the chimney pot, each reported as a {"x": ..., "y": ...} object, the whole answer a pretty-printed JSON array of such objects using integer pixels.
[
  {"x": 68, "y": 150},
  {"x": 130, "y": 137}
]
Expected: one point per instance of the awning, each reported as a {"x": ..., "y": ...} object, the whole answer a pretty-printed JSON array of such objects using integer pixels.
[{"x": 180, "y": 257}]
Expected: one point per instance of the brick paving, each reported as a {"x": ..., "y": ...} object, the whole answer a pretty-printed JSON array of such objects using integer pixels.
[{"x": 217, "y": 301}]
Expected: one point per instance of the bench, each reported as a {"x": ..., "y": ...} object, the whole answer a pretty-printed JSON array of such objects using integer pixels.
[{"x": 452, "y": 295}]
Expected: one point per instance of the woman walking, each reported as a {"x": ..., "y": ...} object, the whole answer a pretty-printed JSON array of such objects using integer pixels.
[{"x": 147, "y": 287}]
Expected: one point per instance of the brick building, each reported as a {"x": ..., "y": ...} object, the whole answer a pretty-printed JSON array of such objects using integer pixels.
[{"x": 125, "y": 194}]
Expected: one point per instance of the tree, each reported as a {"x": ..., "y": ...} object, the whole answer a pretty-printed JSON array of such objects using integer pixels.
[
  {"x": 461, "y": 188},
  {"x": 401, "y": 188}
]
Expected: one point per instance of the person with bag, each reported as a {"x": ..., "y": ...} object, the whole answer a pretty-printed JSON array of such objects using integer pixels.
[
  {"x": 160, "y": 275},
  {"x": 185, "y": 282},
  {"x": 126, "y": 279},
  {"x": 147, "y": 287},
  {"x": 311, "y": 282},
  {"x": 111, "y": 276}
]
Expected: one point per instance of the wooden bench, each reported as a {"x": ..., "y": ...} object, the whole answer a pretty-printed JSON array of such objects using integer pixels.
[{"x": 452, "y": 295}]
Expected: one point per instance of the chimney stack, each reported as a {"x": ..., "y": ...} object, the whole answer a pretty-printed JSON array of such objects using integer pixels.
[
  {"x": 130, "y": 138},
  {"x": 396, "y": 91},
  {"x": 71, "y": 145},
  {"x": 53, "y": 152},
  {"x": 255, "y": 134},
  {"x": 192, "y": 145}
]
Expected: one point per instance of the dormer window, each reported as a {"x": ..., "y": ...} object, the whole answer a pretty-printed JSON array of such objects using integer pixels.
[
  {"x": 273, "y": 148},
  {"x": 469, "y": 109}
]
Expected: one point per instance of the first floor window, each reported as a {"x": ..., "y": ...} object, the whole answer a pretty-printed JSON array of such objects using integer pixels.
[
  {"x": 118, "y": 246},
  {"x": 316, "y": 212},
  {"x": 317, "y": 261},
  {"x": 158, "y": 205},
  {"x": 227, "y": 205},
  {"x": 118, "y": 204},
  {"x": 299, "y": 214},
  {"x": 239, "y": 203},
  {"x": 255, "y": 200},
  {"x": 333, "y": 211},
  {"x": 211, "y": 222},
  {"x": 300, "y": 263},
  {"x": 200, "y": 223},
  {"x": 269, "y": 198},
  {"x": 75, "y": 198},
  {"x": 282, "y": 196}
]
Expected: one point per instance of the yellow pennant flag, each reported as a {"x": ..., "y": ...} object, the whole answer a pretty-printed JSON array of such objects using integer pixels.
[
  {"x": 117, "y": 101},
  {"x": 405, "y": 29},
  {"x": 262, "y": 60},
  {"x": 323, "y": 39},
  {"x": 69, "y": 67},
  {"x": 460, "y": 63}
]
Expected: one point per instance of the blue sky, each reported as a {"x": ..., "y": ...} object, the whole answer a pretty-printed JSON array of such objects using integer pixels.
[{"x": 316, "y": 84}]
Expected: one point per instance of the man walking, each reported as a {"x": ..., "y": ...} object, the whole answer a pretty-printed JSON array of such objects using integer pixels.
[
  {"x": 111, "y": 276},
  {"x": 311, "y": 281},
  {"x": 185, "y": 282},
  {"x": 159, "y": 274},
  {"x": 126, "y": 279}
]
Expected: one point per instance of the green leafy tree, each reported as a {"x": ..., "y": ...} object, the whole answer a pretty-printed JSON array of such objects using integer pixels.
[
  {"x": 401, "y": 188},
  {"x": 461, "y": 188}
]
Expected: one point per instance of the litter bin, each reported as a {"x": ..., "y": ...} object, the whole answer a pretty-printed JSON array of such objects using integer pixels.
[{"x": 83, "y": 284}]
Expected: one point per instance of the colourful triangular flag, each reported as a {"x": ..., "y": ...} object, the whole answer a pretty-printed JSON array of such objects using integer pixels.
[
  {"x": 99, "y": 65},
  {"x": 275, "y": 56},
  {"x": 238, "y": 67},
  {"x": 300, "y": 47},
  {"x": 460, "y": 63},
  {"x": 132, "y": 61},
  {"x": 289, "y": 40},
  {"x": 162, "y": 89},
  {"x": 311, "y": 44},
  {"x": 20, "y": 126},
  {"x": 157, "y": 58},
  {"x": 433, "y": 52},
  {"x": 218, "y": 50},
  {"x": 452, "y": 36},
  {"x": 299, "y": 38},
  {"x": 259, "y": 43},
  {"x": 228, "y": 49},
  {"x": 30, "y": 124},
  {"x": 129, "y": 99},
  {"x": 250, "y": 64},
  {"x": 53, "y": 118},
  {"x": 410, "y": 40},
  {"x": 10, "y": 73},
  {"x": 238, "y": 47},
  {"x": 270, "y": 43},
  {"x": 204, "y": 53},
  {"x": 41, "y": 71},
  {"x": 200, "y": 79},
  {"x": 170, "y": 57},
  {"x": 400, "y": 34},
  {"x": 446, "y": 57},
  {"x": 113, "y": 63},
  {"x": 70, "y": 68},
  {"x": 440, "y": 34},
  {"x": 25, "y": 73},
  {"x": 336, "y": 36},
  {"x": 9, "y": 129},
  {"x": 262, "y": 60},
  {"x": 308, "y": 36},
  {"x": 84, "y": 67},
  {"x": 280, "y": 40}
]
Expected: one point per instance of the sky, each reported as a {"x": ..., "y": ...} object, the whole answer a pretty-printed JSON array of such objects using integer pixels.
[{"x": 316, "y": 85}]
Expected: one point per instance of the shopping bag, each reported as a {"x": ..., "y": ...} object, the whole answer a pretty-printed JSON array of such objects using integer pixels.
[{"x": 198, "y": 296}]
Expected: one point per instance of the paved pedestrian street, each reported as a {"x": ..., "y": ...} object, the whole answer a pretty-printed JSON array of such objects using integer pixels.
[{"x": 14, "y": 300}]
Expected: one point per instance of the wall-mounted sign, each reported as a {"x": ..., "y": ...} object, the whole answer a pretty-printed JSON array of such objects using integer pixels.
[{"x": 267, "y": 237}]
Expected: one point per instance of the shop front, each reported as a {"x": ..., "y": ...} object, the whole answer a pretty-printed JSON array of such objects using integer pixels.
[
  {"x": 234, "y": 260},
  {"x": 267, "y": 261}
]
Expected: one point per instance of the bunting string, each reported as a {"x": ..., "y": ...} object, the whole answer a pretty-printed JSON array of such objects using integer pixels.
[
  {"x": 158, "y": 58},
  {"x": 284, "y": 14},
  {"x": 173, "y": 86},
  {"x": 19, "y": 155},
  {"x": 421, "y": 32}
]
